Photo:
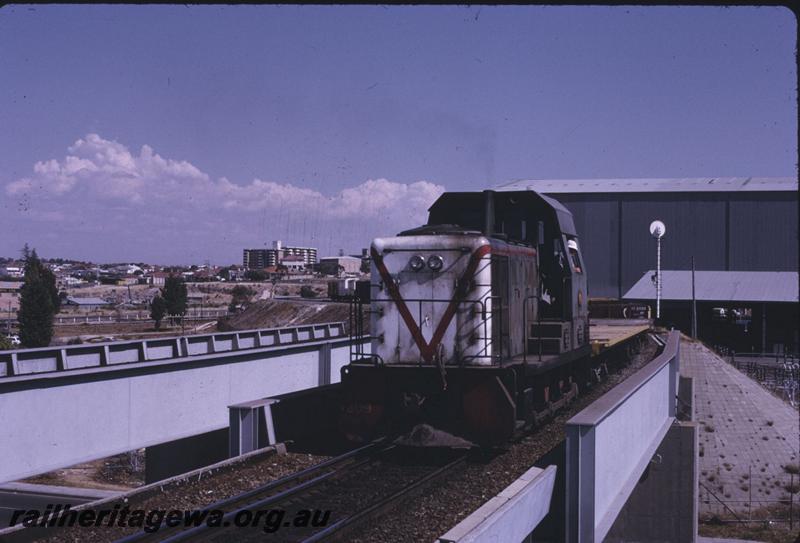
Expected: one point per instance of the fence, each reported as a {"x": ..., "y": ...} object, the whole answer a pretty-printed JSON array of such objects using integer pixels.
[
  {"x": 779, "y": 373},
  {"x": 751, "y": 498},
  {"x": 52, "y": 359},
  {"x": 138, "y": 316}
]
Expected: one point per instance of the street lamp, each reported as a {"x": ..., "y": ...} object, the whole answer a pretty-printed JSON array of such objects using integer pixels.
[{"x": 657, "y": 230}]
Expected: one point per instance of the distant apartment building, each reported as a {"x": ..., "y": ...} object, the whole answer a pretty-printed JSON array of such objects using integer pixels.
[
  {"x": 9, "y": 296},
  {"x": 258, "y": 259},
  {"x": 255, "y": 259}
]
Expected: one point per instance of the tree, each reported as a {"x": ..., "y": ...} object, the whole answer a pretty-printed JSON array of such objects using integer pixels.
[
  {"x": 38, "y": 302},
  {"x": 255, "y": 275},
  {"x": 175, "y": 296},
  {"x": 5, "y": 343},
  {"x": 239, "y": 295},
  {"x": 307, "y": 291},
  {"x": 47, "y": 275},
  {"x": 158, "y": 308},
  {"x": 50, "y": 283}
]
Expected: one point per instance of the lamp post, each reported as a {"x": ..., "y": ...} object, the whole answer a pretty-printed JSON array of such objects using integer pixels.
[{"x": 657, "y": 230}]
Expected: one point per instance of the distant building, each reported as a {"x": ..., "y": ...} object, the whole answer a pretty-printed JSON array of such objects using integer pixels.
[
  {"x": 158, "y": 279},
  {"x": 726, "y": 223},
  {"x": 69, "y": 281},
  {"x": 87, "y": 304},
  {"x": 128, "y": 280},
  {"x": 9, "y": 296},
  {"x": 258, "y": 259},
  {"x": 255, "y": 259},
  {"x": 336, "y": 265},
  {"x": 750, "y": 311},
  {"x": 294, "y": 264},
  {"x": 12, "y": 270},
  {"x": 125, "y": 269}
]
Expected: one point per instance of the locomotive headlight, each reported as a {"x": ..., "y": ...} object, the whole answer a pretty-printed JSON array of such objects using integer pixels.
[
  {"x": 416, "y": 262},
  {"x": 435, "y": 262}
]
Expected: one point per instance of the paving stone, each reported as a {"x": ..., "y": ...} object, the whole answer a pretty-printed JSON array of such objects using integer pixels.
[{"x": 734, "y": 452}]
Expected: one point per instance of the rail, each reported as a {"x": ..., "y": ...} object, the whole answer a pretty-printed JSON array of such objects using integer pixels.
[
  {"x": 71, "y": 357},
  {"x": 262, "y": 495},
  {"x": 610, "y": 443},
  {"x": 348, "y": 481}
]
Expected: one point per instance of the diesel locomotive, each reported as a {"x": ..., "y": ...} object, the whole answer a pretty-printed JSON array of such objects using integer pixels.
[{"x": 478, "y": 319}]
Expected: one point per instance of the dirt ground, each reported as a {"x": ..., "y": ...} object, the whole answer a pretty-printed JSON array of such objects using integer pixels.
[
  {"x": 121, "y": 472},
  {"x": 756, "y": 531},
  {"x": 277, "y": 313},
  {"x": 215, "y": 294}
]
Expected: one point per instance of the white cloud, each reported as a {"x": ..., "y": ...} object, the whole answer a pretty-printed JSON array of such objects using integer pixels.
[{"x": 102, "y": 181}]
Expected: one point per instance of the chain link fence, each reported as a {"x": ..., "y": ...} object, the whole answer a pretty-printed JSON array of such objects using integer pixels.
[
  {"x": 777, "y": 372},
  {"x": 751, "y": 498}
]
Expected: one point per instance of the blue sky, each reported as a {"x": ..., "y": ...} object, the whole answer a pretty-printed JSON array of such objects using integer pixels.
[{"x": 177, "y": 134}]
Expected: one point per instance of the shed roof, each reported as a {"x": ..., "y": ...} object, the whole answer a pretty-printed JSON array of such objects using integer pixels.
[
  {"x": 694, "y": 184},
  {"x": 11, "y": 285},
  {"x": 86, "y": 301},
  {"x": 339, "y": 258},
  {"x": 719, "y": 286}
]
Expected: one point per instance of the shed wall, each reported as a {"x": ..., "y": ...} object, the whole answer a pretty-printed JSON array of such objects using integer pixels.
[{"x": 753, "y": 231}]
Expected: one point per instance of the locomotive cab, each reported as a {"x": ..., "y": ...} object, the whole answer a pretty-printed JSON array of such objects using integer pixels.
[{"x": 475, "y": 318}]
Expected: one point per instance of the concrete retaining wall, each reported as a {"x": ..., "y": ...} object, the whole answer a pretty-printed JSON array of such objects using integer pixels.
[{"x": 57, "y": 419}]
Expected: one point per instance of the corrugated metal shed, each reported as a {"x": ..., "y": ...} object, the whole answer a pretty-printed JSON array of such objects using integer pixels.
[
  {"x": 698, "y": 184},
  {"x": 86, "y": 301},
  {"x": 719, "y": 286}
]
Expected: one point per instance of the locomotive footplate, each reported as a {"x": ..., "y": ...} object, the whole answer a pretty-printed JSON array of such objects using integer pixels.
[
  {"x": 477, "y": 403},
  {"x": 535, "y": 366}
]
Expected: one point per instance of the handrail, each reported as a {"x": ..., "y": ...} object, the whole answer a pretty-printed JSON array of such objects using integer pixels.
[
  {"x": 604, "y": 406},
  {"x": 610, "y": 443},
  {"x": 43, "y": 360}
]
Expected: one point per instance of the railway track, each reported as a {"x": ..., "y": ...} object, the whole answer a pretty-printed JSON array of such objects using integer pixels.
[
  {"x": 320, "y": 502},
  {"x": 352, "y": 489}
]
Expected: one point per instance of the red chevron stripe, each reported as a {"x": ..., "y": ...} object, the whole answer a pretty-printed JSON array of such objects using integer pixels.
[{"x": 427, "y": 350}]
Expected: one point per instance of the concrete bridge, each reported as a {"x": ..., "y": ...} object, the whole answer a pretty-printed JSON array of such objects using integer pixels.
[{"x": 65, "y": 405}]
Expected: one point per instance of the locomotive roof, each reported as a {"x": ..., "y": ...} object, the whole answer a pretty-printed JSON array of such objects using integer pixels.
[{"x": 467, "y": 209}]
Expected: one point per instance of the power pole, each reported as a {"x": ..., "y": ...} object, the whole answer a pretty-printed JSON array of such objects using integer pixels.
[
  {"x": 658, "y": 277},
  {"x": 694, "y": 305},
  {"x": 657, "y": 230}
]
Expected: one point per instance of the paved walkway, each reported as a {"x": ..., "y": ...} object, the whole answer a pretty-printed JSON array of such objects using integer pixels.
[
  {"x": 701, "y": 539},
  {"x": 747, "y": 436}
]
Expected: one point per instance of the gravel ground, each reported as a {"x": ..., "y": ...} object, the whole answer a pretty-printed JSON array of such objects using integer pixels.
[
  {"x": 122, "y": 472},
  {"x": 195, "y": 494},
  {"x": 443, "y": 506}
]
